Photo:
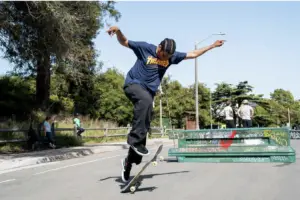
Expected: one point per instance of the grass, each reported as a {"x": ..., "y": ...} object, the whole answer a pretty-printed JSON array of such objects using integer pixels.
[
  {"x": 64, "y": 138},
  {"x": 12, "y": 148}
]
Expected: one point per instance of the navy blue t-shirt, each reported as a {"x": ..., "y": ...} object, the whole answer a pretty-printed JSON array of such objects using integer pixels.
[{"x": 148, "y": 70}]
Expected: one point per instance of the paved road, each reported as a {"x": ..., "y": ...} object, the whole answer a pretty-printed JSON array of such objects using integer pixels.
[{"x": 98, "y": 177}]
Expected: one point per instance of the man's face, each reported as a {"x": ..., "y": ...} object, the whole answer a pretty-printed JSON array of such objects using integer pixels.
[{"x": 162, "y": 55}]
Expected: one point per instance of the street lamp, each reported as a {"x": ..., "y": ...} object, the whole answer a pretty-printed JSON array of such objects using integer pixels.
[
  {"x": 196, "y": 79},
  {"x": 160, "y": 107}
]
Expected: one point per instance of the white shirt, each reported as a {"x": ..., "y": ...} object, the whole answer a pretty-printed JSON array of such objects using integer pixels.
[
  {"x": 245, "y": 111},
  {"x": 228, "y": 113}
]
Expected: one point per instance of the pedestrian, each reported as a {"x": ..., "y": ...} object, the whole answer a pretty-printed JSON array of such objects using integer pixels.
[
  {"x": 228, "y": 114},
  {"x": 246, "y": 113},
  {"x": 141, "y": 84},
  {"x": 48, "y": 132}
]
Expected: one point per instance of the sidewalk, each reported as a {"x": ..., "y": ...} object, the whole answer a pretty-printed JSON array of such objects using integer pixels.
[{"x": 13, "y": 161}]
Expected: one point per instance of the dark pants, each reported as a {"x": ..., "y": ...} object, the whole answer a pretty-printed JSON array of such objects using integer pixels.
[
  {"x": 230, "y": 124},
  {"x": 49, "y": 136},
  {"x": 142, "y": 101},
  {"x": 247, "y": 123},
  {"x": 80, "y": 130}
]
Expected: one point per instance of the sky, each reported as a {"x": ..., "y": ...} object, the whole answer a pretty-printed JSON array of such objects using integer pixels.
[{"x": 261, "y": 41}]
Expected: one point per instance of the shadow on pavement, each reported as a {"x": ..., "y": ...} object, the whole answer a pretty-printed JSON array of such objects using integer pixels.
[
  {"x": 119, "y": 179},
  {"x": 284, "y": 164},
  {"x": 143, "y": 189},
  {"x": 124, "y": 146},
  {"x": 142, "y": 177},
  {"x": 149, "y": 189},
  {"x": 170, "y": 160}
]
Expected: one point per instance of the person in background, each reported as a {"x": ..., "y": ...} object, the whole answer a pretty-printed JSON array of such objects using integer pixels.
[
  {"x": 228, "y": 113},
  {"x": 48, "y": 131},
  {"x": 246, "y": 113},
  {"x": 77, "y": 123}
]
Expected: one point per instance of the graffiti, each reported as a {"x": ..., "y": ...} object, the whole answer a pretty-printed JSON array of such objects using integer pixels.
[
  {"x": 192, "y": 148},
  {"x": 252, "y": 159},
  {"x": 280, "y": 138},
  {"x": 254, "y": 149},
  {"x": 198, "y": 150},
  {"x": 201, "y": 142},
  {"x": 279, "y": 158}
]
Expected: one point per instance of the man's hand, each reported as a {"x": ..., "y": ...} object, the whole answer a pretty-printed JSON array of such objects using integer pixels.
[
  {"x": 121, "y": 38},
  {"x": 218, "y": 43},
  {"x": 112, "y": 30}
]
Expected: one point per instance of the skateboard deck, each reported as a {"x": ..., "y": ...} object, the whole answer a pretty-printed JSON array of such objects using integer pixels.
[{"x": 135, "y": 182}]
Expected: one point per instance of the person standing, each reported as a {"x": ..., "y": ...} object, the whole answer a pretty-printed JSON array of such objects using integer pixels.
[
  {"x": 228, "y": 114},
  {"x": 246, "y": 113},
  {"x": 48, "y": 132}
]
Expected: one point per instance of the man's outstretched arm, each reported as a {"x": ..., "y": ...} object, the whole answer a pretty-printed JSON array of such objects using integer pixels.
[
  {"x": 121, "y": 38},
  {"x": 198, "y": 52}
]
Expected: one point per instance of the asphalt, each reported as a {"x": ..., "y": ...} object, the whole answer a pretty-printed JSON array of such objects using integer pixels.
[{"x": 97, "y": 176}]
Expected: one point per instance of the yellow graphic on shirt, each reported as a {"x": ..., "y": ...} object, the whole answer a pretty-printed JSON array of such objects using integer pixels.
[{"x": 155, "y": 61}]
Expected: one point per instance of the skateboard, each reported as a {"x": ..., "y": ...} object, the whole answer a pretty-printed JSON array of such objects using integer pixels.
[{"x": 135, "y": 182}]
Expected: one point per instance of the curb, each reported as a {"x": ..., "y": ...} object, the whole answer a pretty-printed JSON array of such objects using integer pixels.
[
  {"x": 27, "y": 161},
  {"x": 60, "y": 155}
]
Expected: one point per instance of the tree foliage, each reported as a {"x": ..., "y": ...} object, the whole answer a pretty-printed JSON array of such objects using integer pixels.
[
  {"x": 35, "y": 35},
  {"x": 108, "y": 101}
]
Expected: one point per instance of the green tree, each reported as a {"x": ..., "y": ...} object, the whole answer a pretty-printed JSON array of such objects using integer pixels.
[
  {"x": 283, "y": 104},
  {"x": 16, "y": 96},
  {"x": 113, "y": 104},
  {"x": 34, "y": 35},
  {"x": 177, "y": 100},
  {"x": 283, "y": 97}
]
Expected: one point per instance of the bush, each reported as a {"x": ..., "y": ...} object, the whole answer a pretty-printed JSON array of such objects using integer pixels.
[{"x": 67, "y": 141}]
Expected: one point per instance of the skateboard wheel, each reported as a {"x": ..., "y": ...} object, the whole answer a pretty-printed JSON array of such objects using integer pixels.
[
  {"x": 154, "y": 163},
  {"x": 161, "y": 158},
  {"x": 132, "y": 189}
]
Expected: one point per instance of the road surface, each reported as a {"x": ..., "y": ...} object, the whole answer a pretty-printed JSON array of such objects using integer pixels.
[{"x": 98, "y": 177}]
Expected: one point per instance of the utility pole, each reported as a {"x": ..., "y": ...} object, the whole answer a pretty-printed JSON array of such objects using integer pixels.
[
  {"x": 196, "y": 92},
  {"x": 210, "y": 108},
  {"x": 196, "y": 80},
  {"x": 160, "y": 107}
]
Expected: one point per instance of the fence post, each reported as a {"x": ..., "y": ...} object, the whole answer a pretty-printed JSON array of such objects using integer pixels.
[
  {"x": 105, "y": 134},
  {"x": 75, "y": 131},
  {"x": 129, "y": 128},
  {"x": 162, "y": 131}
]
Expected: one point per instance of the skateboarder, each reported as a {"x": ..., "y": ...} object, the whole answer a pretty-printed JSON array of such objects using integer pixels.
[{"x": 141, "y": 84}]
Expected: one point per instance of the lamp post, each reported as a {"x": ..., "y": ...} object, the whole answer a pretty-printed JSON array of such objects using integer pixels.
[
  {"x": 210, "y": 109},
  {"x": 160, "y": 107},
  {"x": 196, "y": 79}
]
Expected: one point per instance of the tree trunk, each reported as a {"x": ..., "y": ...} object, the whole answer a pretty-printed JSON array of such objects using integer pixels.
[{"x": 43, "y": 82}]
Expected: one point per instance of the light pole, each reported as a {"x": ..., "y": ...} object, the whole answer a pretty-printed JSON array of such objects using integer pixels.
[
  {"x": 289, "y": 116},
  {"x": 210, "y": 109},
  {"x": 160, "y": 107},
  {"x": 196, "y": 80}
]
